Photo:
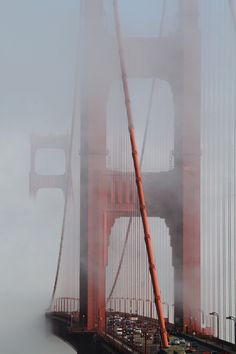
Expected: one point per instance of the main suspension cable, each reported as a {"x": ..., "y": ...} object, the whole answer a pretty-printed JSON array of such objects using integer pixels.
[
  {"x": 68, "y": 181},
  {"x": 140, "y": 190},
  {"x": 67, "y": 193}
]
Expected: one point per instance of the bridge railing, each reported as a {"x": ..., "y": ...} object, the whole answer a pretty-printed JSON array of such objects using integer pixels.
[
  {"x": 66, "y": 304},
  {"x": 142, "y": 307}
]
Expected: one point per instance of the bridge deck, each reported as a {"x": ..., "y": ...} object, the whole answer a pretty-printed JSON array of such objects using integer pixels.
[{"x": 129, "y": 333}]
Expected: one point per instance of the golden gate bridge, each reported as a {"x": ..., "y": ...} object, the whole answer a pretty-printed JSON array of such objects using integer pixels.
[{"x": 147, "y": 251}]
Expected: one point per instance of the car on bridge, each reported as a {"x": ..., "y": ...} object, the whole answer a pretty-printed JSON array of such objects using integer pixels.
[
  {"x": 175, "y": 341},
  {"x": 119, "y": 331}
]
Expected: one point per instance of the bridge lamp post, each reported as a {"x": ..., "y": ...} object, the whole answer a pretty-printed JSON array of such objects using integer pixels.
[
  {"x": 233, "y": 319},
  {"x": 218, "y": 322}
]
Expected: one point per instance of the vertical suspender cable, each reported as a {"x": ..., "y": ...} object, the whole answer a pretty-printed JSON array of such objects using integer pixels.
[
  {"x": 141, "y": 160},
  {"x": 232, "y": 261},
  {"x": 139, "y": 184},
  {"x": 130, "y": 219}
]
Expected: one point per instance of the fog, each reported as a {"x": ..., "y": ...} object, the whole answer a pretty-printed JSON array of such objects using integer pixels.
[{"x": 37, "y": 46}]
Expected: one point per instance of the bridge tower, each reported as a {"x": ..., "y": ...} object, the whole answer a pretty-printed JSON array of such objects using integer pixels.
[
  {"x": 183, "y": 74},
  {"x": 186, "y": 88},
  {"x": 93, "y": 91}
]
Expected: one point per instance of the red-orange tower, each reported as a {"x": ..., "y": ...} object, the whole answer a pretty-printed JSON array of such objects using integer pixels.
[{"x": 175, "y": 59}]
